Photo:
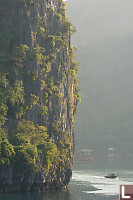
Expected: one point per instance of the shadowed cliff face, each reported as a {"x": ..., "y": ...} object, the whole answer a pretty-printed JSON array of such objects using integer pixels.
[{"x": 39, "y": 93}]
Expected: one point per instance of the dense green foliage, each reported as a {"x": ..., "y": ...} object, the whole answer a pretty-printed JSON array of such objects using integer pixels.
[
  {"x": 31, "y": 143},
  {"x": 31, "y": 82}
]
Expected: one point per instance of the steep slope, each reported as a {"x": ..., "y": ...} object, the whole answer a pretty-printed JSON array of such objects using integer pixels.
[{"x": 39, "y": 95}]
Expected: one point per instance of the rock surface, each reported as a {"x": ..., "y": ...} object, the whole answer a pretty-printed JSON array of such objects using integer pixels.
[{"x": 43, "y": 27}]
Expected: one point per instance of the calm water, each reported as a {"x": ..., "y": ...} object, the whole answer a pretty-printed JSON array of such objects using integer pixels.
[{"x": 88, "y": 183}]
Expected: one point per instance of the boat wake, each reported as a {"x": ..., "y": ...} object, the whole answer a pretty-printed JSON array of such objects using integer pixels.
[{"x": 98, "y": 184}]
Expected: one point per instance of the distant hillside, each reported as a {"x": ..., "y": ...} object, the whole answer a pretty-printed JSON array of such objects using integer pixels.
[{"x": 104, "y": 40}]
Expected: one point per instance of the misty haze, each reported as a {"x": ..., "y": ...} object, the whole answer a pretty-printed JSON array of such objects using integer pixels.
[
  {"x": 45, "y": 145},
  {"x": 105, "y": 50}
]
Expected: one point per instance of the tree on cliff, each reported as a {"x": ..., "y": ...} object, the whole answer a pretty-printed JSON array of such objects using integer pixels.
[{"x": 38, "y": 89}]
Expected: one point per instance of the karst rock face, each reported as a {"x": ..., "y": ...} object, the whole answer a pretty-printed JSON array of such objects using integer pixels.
[{"x": 39, "y": 95}]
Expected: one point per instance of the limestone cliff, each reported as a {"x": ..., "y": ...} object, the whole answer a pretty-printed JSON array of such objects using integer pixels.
[{"x": 39, "y": 95}]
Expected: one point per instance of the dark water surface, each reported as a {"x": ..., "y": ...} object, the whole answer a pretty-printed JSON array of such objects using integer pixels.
[{"x": 88, "y": 183}]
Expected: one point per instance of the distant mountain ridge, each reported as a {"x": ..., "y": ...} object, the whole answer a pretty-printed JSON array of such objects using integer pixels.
[{"x": 104, "y": 40}]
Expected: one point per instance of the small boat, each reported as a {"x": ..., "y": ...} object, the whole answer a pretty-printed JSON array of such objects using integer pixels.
[{"x": 113, "y": 176}]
